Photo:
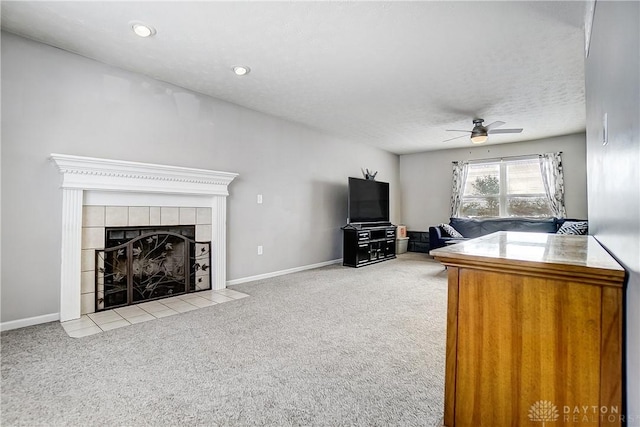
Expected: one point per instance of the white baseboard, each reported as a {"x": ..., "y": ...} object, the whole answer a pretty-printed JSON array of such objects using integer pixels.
[
  {"x": 21, "y": 323},
  {"x": 282, "y": 272}
]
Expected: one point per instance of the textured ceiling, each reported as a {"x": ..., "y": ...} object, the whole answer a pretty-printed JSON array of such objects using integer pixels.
[{"x": 390, "y": 74}]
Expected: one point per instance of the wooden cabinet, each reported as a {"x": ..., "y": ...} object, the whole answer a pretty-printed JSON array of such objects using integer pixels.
[{"x": 534, "y": 321}]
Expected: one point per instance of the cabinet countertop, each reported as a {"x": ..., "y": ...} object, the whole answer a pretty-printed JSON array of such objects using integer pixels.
[{"x": 572, "y": 254}]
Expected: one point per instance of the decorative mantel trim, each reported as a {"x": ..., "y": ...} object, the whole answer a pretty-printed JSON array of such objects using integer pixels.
[{"x": 89, "y": 174}]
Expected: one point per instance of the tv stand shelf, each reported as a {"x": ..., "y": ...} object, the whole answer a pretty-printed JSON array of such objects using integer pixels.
[{"x": 365, "y": 244}]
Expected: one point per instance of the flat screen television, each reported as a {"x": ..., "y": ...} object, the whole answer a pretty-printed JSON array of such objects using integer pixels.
[{"x": 368, "y": 200}]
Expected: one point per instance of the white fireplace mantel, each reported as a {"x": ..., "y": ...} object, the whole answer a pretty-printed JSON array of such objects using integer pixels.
[{"x": 92, "y": 175}]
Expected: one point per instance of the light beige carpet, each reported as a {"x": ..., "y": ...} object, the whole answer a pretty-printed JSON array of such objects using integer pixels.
[{"x": 327, "y": 347}]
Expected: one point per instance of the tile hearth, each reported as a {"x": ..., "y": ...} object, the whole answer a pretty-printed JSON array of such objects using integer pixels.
[{"x": 94, "y": 323}]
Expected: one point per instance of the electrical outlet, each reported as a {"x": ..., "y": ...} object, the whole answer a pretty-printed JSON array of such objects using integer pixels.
[
  {"x": 260, "y": 250},
  {"x": 259, "y": 199}
]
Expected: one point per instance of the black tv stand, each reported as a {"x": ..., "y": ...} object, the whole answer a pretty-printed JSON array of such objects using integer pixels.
[{"x": 368, "y": 243}]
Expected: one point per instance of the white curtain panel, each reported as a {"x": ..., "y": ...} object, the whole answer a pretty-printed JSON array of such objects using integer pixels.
[
  {"x": 553, "y": 179},
  {"x": 460, "y": 170}
]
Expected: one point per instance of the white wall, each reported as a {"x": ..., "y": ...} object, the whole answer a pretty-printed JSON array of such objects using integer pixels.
[
  {"x": 58, "y": 102},
  {"x": 613, "y": 86},
  {"x": 425, "y": 178}
]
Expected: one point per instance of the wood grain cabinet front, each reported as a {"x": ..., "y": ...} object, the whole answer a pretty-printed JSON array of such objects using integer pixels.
[{"x": 534, "y": 332}]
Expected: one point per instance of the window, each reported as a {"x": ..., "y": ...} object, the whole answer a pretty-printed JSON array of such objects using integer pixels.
[{"x": 505, "y": 188}]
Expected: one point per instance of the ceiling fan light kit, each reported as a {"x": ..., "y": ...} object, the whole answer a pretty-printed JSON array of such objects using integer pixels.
[{"x": 479, "y": 139}]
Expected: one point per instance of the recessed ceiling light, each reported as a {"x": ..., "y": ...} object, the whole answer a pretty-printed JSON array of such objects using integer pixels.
[
  {"x": 241, "y": 70},
  {"x": 142, "y": 30}
]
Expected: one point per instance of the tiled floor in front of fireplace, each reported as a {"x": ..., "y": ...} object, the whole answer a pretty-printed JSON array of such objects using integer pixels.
[{"x": 94, "y": 323}]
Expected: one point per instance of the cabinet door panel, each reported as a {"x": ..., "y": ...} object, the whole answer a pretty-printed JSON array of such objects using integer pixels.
[{"x": 522, "y": 340}]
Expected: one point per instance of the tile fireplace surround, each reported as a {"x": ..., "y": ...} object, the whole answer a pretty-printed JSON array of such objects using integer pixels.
[
  {"x": 113, "y": 184},
  {"x": 96, "y": 219}
]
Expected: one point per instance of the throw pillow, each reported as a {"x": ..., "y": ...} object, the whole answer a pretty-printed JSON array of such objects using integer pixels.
[
  {"x": 452, "y": 232},
  {"x": 574, "y": 227}
]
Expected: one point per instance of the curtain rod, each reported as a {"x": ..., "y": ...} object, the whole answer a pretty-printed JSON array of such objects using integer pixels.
[{"x": 494, "y": 159}]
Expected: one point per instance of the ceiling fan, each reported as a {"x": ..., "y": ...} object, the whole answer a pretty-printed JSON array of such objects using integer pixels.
[{"x": 480, "y": 133}]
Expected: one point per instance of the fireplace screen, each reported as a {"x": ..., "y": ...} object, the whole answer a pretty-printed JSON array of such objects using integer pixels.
[{"x": 143, "y": 264}]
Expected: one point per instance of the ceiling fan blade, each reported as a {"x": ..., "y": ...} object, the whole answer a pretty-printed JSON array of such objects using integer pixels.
[
  {"x": 458, "y": 130},
  {"x": 494, "y": 125},
  {"x": 457, "y": 137},
  {"x": 506, "y": 131}
]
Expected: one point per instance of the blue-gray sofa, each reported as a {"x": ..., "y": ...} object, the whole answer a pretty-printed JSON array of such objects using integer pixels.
[{"x": 475, "y": 227}]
